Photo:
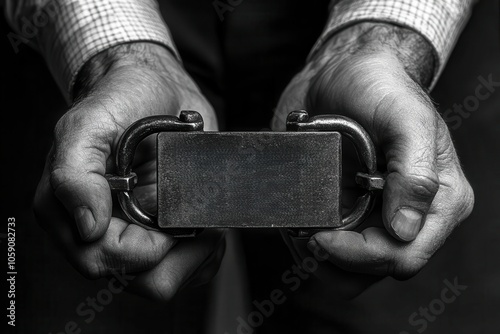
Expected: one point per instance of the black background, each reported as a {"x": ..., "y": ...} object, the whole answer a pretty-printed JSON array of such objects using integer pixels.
[{"x": 49, "y": 289}]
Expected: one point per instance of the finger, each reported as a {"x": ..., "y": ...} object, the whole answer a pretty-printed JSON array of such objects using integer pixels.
[
  {"x": 77, "y": 168},
  {"x": 408, "y": 138},
  {"x": 206, "y": 272},
  {"x": 178, "y": 266},
  {"x": 374, "y": 251},
  {"x": 344, "y": 284},
  {"x": 123, "y": 246}
]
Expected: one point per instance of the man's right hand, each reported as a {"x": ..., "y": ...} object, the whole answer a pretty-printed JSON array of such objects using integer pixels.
[{"x": 73, "y": 201}]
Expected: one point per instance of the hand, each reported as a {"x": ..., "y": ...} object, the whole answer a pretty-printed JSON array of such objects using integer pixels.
[
  {"x": 373, "y": 73},
  {"x": 73, "y": 202}
]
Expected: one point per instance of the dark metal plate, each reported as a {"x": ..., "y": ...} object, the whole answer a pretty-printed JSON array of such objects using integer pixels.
[{"x": 249, "y": 179}]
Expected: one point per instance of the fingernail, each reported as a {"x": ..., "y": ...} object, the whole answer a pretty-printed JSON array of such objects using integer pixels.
[
  {"x": 406, "y": 223},
  {"x": 85, "y": 221},
  {"x": 312, "y": 245}
]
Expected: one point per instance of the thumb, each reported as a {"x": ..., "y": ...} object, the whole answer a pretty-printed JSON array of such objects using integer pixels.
[
  {"x": 409, "y": 143},
  {"x": 78, "y": 165}
]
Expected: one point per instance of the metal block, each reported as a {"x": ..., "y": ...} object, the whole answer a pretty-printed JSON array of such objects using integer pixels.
[{"x": 249, "y": 179}]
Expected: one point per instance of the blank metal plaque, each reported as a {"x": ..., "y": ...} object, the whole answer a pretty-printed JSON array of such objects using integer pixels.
[{"x": 249, "y": 179}]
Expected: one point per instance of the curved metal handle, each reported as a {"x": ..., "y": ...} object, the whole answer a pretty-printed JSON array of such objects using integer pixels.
[
  {"x": 187, "y": 121},
  {"x": 370, "y": 179},
  {"x": 124, "y": 181}
]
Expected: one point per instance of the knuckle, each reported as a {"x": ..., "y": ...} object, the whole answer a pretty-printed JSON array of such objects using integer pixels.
[
  {"x": 156, "y": 250},
  {"x": 145, "y": 254},
  {"x": 470, "y": 199},
  {"x": 61, "y": 179},
  {"x": 58, "y": 176},
  {"x": 466, "y": 201},
  {"x": 82, "y": 125},
  {"x": 91, "y": 268},
  {"x": 138, "y": 257},
  {"x": 65, "y": 125},
  {"x": 60, "y": 128},
  {"x": 167, "y": 287},
  {"x": 91, "y": 271},
  {"x": 424, "y": 183},
  {"x": 93, "y": 263}
]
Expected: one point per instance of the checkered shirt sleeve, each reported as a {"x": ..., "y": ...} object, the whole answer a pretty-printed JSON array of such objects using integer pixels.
[
  {"x": 76, "y": 30},
  {"x": 439, "y": 21}
]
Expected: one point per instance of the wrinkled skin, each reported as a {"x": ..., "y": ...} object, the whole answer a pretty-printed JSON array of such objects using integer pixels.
[
  {"x": 73, "y": 202},
  {"x": 426, "y": 193}
]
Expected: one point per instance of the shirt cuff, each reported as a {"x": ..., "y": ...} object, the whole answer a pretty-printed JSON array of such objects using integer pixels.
[
  {"x": 439, "y": 22},
  {"x": 82, "y": 29}
]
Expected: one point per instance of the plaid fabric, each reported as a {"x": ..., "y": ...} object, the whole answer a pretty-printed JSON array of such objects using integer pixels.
[
  {"x": 79, "y": 29},
  {"x": 439, "y": 21}
]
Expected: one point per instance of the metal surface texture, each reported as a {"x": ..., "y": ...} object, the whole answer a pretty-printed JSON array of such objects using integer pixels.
[
  {"x": 249, "y": 179},
  {"x": 300, "y": 121},
  {"x": 130, "y": 139}
]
